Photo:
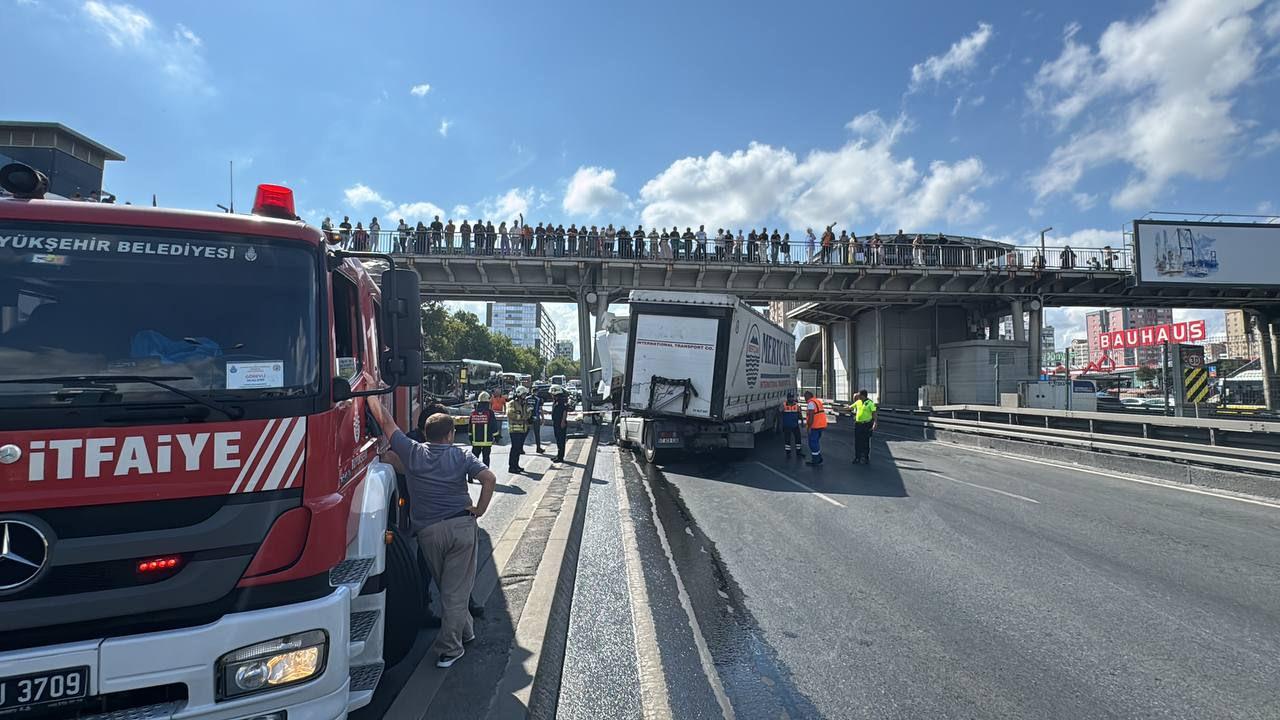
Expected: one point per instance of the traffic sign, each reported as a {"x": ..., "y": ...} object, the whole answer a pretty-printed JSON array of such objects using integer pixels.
[{"x": 1196, "y": 384}]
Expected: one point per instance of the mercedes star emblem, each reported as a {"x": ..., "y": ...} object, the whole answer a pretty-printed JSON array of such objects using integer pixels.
[
  {"x": 10, "y": 454},
  {"x": 24, "y": 552}
]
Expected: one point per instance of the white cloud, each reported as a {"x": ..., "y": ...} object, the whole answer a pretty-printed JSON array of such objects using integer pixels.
[
  {"x": 591, "y": 192},
  {"x": 511, "y": 204},
  {"x": 415, "y": 211},
  {"x": 420, "y": 90},
  {"x": 1087, "y": 238},
  {"x": 184, "y": 34},
  {"x": 444, "y": 127},
  {"x": 1271, "y": 23},
  {"x": 961, "y": 57},
  {"x": 178, "y": 54},
  {"x": 1164, "y": 86},
  {"x": 1269, "y": 142},
  {"x": 461, "y": 210},
  {"x": 124, "y": 25},
  {"x": 360, "y": 195},
  {"x": 862, "y": 181}
]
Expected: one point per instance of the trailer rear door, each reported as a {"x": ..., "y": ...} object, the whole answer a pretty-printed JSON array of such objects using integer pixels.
[{"x": 681, "y": 353}]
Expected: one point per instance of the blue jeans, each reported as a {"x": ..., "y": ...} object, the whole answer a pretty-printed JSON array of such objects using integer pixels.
[{"x": 815, "y": 443}]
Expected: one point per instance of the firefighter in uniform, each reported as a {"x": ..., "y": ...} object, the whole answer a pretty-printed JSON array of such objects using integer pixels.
[
  {"x": 518, "y": 425},
  {"x": 864, "y": 422},
  {"x": 816, "y": 420},
  {"x": 482, "y": 419},
  {"x": 791, "y": 425}
]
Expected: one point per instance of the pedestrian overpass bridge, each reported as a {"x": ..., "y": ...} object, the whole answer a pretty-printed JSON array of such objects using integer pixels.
[{"x": 883, "y": 317}]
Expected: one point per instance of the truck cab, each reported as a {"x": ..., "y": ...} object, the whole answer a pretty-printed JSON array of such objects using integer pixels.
[{"x": 194, "y": 494}]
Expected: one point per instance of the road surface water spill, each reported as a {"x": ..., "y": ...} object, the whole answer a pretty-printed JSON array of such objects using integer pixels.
[{"x": 757, "y": 682}]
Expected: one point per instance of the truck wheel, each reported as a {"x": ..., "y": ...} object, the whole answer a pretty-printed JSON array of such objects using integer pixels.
[
  {"x": 649, "y": 448},
  {"x": 405, "y": 606},
  {"x": 617, "y": 434}
]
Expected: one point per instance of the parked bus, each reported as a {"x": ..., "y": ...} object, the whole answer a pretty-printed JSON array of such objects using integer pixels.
[{"x": 455, "y": 384}]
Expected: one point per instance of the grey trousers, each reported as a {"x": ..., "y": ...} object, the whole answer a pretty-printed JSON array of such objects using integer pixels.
[{"x": 449, "y": 548}]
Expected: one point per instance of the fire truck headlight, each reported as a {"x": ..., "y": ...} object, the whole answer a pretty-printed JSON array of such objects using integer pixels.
[{"x": 272, "y": 664}]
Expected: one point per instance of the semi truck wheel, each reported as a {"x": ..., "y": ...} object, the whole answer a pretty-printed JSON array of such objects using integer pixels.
[
  {"x": 649, "y": 447},
  {"x": 405, "y": 601}
]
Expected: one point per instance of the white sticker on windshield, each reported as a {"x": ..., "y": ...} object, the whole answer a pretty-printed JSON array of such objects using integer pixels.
[{"x": 255, "y": 375}]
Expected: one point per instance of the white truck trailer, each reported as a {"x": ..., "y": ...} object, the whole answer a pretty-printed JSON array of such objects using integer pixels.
[{"x": 703, "y": 371}]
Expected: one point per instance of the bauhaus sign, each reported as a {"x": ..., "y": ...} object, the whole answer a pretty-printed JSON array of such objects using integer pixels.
[{"x": 1180, "y": 332}]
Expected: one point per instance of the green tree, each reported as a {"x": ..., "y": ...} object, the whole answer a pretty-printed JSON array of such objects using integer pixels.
[
  {"x": 563, "y": 366},
  {"x": 459, "y": 334},
  {"x": 1145, "y": 374}
]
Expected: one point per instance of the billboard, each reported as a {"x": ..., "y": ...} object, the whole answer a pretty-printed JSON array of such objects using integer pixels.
[
  {"x": 1179, "y": 332},
  {"x": 1196, "y": 253}
]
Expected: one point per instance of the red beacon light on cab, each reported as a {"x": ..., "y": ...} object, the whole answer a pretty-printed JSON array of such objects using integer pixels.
[{"x": 274, "y": 201}]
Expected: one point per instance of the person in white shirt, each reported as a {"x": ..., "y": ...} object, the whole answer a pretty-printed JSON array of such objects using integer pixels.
[{"x": 701, "y": 237}]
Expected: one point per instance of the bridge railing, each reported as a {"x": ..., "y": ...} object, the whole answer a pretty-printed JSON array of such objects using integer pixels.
[{"x": 954, "y": 254}]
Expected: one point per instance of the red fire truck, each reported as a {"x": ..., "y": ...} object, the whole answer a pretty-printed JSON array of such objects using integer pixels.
[{"x": 194, "y": 519}]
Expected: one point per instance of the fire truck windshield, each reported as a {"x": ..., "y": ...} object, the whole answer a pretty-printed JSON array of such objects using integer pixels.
[{"x": 229, "y": 318}]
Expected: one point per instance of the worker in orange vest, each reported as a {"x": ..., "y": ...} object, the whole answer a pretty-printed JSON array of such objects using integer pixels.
[{"x": 816, "y": 420}]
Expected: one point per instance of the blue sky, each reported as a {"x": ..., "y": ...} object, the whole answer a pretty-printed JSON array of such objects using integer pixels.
[{"x": 990, "y": 119}]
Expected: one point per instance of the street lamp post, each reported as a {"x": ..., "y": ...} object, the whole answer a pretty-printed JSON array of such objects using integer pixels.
[{"x": 1042, "y": 250}]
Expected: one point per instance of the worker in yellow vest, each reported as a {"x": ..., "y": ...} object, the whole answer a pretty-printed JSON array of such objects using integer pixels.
[
  {"x": 482, "y": 419},
  {"x": 864, "y": 422},
  {"x": 816, "y": 420},
  {"x": 518, "y": 413}
]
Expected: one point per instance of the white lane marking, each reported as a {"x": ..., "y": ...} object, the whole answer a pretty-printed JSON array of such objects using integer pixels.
[
  {"x": 654, "y": 691},
  {"x": 704, "y": 653},
  {"x": 1114, "y": 476},
  {"x": 799, "y": 484},
  {"x": 982, "y": 487}
]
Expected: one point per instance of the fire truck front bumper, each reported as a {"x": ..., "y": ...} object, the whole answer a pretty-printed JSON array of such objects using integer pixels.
[{"x": 296, "y": 654}]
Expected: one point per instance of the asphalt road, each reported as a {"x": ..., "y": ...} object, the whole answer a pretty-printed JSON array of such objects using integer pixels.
[{"x": 944, "y": 583}]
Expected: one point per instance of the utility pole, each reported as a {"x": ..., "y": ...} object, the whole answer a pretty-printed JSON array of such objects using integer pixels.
[
  {"x": 231, "y": 184},
  {"x": 1043, "y": 256}
]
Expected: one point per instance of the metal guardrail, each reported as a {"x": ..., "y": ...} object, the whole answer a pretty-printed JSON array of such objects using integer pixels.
[
  {"x": 957, "y": 252},
  {"x": 1251, "y": 445}
]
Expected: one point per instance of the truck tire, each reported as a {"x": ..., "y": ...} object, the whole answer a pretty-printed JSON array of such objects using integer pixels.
[
  {"x": 405, "y": 599},
  {"x": 649, "y": 447},
  {"x": 617, "y": 434}
]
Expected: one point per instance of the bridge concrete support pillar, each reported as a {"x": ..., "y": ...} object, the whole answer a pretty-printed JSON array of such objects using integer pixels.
[
  {"x": 1267, "y": 361},
  {"x": 1019, "y": 331},
  {"x": 584, "y": 346},
  {"x": 826, "y": 381},
  {"x": 1036, "y": 317}
]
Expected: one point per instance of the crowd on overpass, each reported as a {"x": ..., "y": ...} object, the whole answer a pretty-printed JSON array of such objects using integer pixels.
[{"x": 765, "y": 246}]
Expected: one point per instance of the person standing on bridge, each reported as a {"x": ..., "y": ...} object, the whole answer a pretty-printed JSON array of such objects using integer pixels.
[
  {"x": 572, "y": 235},
  {"x": 624, "y": 242},
  {"x": 1068, "y": 258},
  {"x": 344, "y": 229},
  {"x": 638, "y": 239},
  {"x": 449, "y": 230},
  {"x": 607, "y": 241},
  {"x": 816, "y": 420},
  {"x": 786, "y": 247},
  {"x": 375, "y": 231},
  {"x": 465, "y": 231},
  {"x": 809, "y": 244},
  {"x": 701, "y": 237},
  {"x": 864, "y": 423},
  {"x": 437, "y": 231},
  {"x": 504, "y": 238},
  {"x": 790, "y": 423}
]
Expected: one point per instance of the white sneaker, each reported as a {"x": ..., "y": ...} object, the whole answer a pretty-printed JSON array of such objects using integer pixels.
[{"x": 448, "y": 660}]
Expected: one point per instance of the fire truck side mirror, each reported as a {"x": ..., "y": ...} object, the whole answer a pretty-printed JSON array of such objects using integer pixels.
[
  {"x": 402, "y": 317},
  {"x": 342, "y": 389}
]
